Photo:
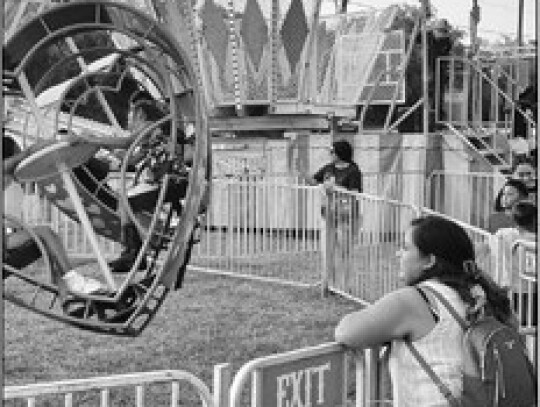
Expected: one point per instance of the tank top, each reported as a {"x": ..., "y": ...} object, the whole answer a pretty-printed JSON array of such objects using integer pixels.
[{"x": 441, "y": 348}]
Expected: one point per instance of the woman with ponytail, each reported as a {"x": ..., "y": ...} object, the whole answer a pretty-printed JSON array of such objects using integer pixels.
[{"x": 438, "y": 254}]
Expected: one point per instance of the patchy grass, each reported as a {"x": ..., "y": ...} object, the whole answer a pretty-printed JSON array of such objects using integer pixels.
[{"x": 211, "y": 320}]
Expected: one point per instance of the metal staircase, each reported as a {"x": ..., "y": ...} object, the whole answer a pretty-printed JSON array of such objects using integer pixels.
[
  {"x": 476, "y": 102},
  {"x": 488, "y": 145}
]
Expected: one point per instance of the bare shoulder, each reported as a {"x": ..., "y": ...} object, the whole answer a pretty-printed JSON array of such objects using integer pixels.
[
  {"x": 402, "y": 303},
  {"x": 404, "y": 296}
]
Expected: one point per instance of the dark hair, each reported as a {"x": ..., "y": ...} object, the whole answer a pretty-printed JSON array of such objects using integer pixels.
[
  {"x": 455, "y": 265},
  {"x": 524, "y": 214},
  {"x": 511, "y": 182},
  {"x": 343, "y": 150},
  {"x": 9, "y": 147},
  {"x": 152, "y": 108},
  {"x": 143, "y": 100}
]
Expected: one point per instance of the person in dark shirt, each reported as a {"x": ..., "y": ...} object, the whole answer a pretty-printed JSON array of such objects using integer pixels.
[{"x": 343, "y": 172}]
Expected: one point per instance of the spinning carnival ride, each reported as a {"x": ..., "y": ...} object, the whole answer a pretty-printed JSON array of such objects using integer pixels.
[{"x": 72, "y": 69}]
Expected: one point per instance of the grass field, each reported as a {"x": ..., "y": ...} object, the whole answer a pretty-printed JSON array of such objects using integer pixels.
[{"x": 211, "y": 320}]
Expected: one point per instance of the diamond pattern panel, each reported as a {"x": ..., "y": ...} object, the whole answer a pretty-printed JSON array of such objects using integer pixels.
[
  {"x": 326, "y": 39},
  {"x": 254, "y": 32},
  {"x": 294, "y": 32},
  {"x": 215, "y": 31}
]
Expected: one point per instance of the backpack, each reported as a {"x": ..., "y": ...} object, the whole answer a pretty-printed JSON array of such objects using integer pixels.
[{"x": 495, "y": 366}]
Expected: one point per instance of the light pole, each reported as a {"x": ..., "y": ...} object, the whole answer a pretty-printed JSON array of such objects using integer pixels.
[
  {"x": 474, "y": 20},
  {"x": 520, "y": 23}
]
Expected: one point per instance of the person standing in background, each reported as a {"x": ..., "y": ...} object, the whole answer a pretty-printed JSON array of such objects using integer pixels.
[
  {"x": 343, "y": 172},
  {"x": 513, "y": 191}
]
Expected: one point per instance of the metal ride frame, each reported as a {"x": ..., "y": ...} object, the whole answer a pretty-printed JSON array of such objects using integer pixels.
[{"x": 160, "y": 66}]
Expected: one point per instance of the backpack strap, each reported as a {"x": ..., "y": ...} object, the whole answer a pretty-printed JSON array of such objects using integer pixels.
[
  {"x": 445, "y": 391},
  {"x": 446, "y": 304}
]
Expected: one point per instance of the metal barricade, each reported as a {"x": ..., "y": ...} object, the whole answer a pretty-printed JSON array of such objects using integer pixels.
[
  {"x": 69, "y": 391},
  {"x": 259, "y": 228},
  {"x": 467, "y": 196},
  {"x": 525, "y": 295},
  {"x": 323, "y": 375},
  {"x": 363, "y": 234}
]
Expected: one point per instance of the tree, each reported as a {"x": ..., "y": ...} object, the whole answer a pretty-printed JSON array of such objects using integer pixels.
[{"x": 443, "y": 40}]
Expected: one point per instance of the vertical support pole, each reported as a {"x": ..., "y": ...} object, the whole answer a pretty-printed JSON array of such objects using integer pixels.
[
  {"x": 425, "y": 68},
  {"x": 222, "y": 384},
  {"x": 234, "y": 58},
  {"x": 330, "y": 242},
  {"x": 360, "y": 368},
  {"x": 452, "y": 92},
  {"x": 520, "y": 23},
  {"x": 274, "y": 33},
  {"x": 194, "y": 40},
  {"x": 474, "y": 19}
]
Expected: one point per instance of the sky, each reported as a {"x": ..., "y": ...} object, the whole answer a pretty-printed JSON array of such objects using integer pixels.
[{"x": 496, "y": 16}]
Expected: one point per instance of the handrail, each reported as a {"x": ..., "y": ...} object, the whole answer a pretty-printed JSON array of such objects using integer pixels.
[
  {"x": 496, "y": 87},
  {"x": 528, "y": 244},
  {"x": 470, "y": 173},
  {"x": 487, "y": 146},
  {"x": 464, "y": 225},
  {"x": 106, "y": 382},
  {"x": 467, "y": 142}
]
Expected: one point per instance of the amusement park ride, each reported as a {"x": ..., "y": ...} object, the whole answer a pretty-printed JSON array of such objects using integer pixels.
[{"x": 216, "y": 66}]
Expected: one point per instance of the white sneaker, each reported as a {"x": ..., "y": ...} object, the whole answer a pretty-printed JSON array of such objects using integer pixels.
[{"x": 78, "y": 283}]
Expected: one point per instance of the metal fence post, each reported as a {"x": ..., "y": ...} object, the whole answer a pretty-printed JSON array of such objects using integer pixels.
[{"x": 328, "y": 232}]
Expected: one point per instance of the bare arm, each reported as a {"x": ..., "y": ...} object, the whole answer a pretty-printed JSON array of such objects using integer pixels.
[
  {"x": 108, "y": 143},
  {"x": 399, "y": 314}
]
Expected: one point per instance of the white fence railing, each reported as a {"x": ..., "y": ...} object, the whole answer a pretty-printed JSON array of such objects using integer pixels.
[
  {"x": 285, "y": 237},
  {"x": 65, "y": 392},
  {"x": 272, "y": 228},
  {"x": 363, "y": 233},
  {"x": 468, "y": 197},
  {"x": 325, "y": 375},
  {"x": 263, "y": 229}
]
